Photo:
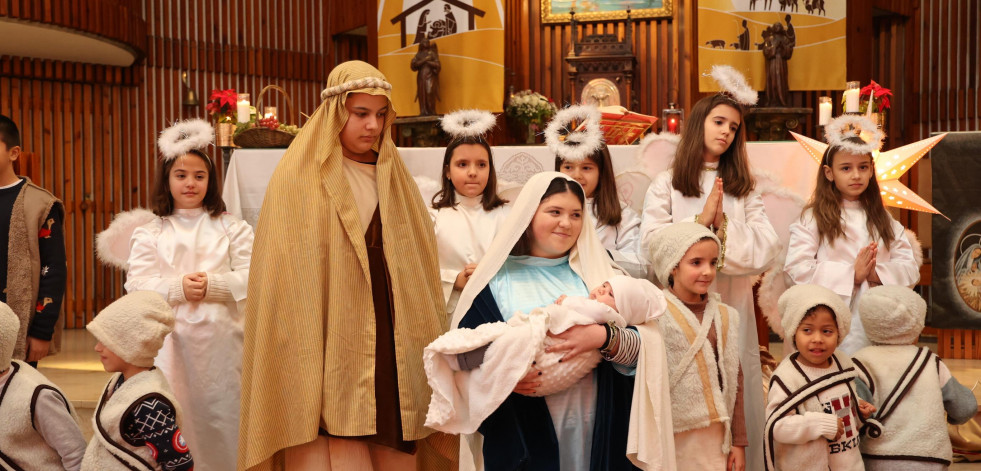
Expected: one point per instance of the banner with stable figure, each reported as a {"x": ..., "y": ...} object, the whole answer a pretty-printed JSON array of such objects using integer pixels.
[
  {"x": 442, "y": 55},
  {"x": 756, "y": 35}
]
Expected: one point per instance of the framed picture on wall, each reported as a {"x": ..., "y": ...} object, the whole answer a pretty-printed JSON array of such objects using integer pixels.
[{"x": 557, "y": 11}]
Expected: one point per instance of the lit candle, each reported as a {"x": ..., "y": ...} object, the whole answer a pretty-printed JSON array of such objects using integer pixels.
[
  {"x": 269, "y": 112},
  {"x": 673, "y": 125},
  {"x": 851, "y": 97},
  {"x": 243, "y": 107},
  {"x": 824, "y": 111}
]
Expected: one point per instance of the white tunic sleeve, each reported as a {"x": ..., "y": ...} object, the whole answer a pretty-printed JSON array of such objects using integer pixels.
[
  {"x": 143, "y": 273},
  {"x": 751, "y": 243},
  {"x": 233, "y": 285},
  {"x": 657, "y": 210},
  {"x": 901, "y": 268},
  {"x": 799, "y": 429},
  {"x": 629, "y": 251},
  {"x": 803, "y": 267}
]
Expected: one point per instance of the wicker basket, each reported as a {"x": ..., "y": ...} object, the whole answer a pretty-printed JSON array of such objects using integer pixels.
[{"x": 260, "y": 137}]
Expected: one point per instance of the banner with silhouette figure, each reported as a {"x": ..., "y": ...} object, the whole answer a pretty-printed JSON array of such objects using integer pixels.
[
  {"x": 442, "y": 55},
  {"x": 756, "y": 35}
]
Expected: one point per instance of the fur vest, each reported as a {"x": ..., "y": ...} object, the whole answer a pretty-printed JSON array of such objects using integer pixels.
[
  {"x": 24, "y": 261},
  {"x": 21, "y": 446},
  {"x": 108, "y": 450},
  {"x": 802, "y": 396},
  {"x": 697, "y": 398},
  {"x": 915, "y": 428}
]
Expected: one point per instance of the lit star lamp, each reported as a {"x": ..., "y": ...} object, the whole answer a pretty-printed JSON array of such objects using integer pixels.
[{"x": 889, "y": 166}]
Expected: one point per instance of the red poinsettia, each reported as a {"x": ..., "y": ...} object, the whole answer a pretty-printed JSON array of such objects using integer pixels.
[
  {"x": 880, "y": 93},
  {"x": 221, "y": 104}
]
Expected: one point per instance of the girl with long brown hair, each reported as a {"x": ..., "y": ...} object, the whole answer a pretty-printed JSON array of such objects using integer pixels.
[
  {"x": 846, "y": 240},
  {"x": 616, "y": 224},
  {"x": 710, "y": 183},
  {"x": 466, "y": 211}
]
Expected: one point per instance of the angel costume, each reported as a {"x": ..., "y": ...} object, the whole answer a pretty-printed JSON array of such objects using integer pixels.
[
  {"x": 202, "y": 358},
  {"x": 463, "y": 234},
  {"x": 749, "y": 246},
  {"x": 812, "y": 261},
  {"x": 589, "y": 425},
  {"x": 622, "y": 241}
]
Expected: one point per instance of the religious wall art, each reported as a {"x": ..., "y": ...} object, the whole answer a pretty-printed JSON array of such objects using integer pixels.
[
  {"x": 799, "y": 44},
  {"x": 442, "y": 55},
  {"x": 955, "y": 294},
  {"x": 557, "y": 11}
]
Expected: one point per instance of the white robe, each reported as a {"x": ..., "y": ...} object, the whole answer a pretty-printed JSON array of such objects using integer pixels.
[
  {"x": 463, "y": 234},
  {"x": 811, "y": 261},
  {"x": 202, "y": 358},
  {"x": 751, "y": 247},
  {"x": 622, "y": 241}
]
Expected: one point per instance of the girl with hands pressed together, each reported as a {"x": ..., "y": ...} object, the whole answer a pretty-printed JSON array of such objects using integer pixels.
[
  {"x": 710, "y": 183},
  {"x": 845, "y": 239},
  {"x": 197, "y": 257}
]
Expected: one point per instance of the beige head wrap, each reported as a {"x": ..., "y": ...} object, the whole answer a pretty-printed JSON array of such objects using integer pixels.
[{"x": 309, "y": 354}]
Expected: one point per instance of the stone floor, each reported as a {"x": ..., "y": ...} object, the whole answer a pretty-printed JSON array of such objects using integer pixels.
[{"x": 78, "y": 372}]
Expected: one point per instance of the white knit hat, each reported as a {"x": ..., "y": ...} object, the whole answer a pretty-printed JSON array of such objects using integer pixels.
[
  {"x": 796, "y": 301},
  {"x": 892, "y": 315},
  {"x": 9, "y": 328},
  {"x": 134, "y": 326},
  {"x": 637, "y": 300},
  {"x": 669, "y": 245}
]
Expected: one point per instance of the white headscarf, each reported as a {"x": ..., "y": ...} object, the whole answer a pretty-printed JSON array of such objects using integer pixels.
[
  {"x": 587, "y": 258},
  {"x": 650, "y": 440}
]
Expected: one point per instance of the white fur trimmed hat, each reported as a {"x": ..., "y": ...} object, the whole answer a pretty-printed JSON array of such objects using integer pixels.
[
  {"x": 892, "y": 315},
  {"x": 134, "y": 326},
  {"x": 668, "y": 246},
  {"x": 9, "y": 328},
  {"x": 796, "y": 301}
]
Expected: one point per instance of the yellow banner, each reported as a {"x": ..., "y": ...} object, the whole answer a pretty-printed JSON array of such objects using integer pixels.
[
  {"x": 468, "y": 39},
  {"x": 732, "y": 32}
]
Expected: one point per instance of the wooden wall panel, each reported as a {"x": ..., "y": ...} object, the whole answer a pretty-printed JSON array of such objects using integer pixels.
[{"x": 91, "y": 130}]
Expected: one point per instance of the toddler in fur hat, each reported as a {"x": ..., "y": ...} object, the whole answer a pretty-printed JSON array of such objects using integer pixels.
[
  {"x": 38, "y": 426},
  {"x": 813, "y": 411},
  {"x": 136, "y": 423},
  {"x": 914, "y": 391}
]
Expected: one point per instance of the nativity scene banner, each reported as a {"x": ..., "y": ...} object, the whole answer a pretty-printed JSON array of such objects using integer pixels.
[
  {"x": 752, "y": 35},
  {"x": 442, "y": 55}
]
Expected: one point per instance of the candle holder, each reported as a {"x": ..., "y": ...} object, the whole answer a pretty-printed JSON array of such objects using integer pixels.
[
  {"x": 852, "y": 97},
  {"x": 672, "y": 119},
  {"x": 269, "y": 112}
]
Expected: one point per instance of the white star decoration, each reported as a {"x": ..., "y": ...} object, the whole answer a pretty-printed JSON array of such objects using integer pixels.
[
  {"x": 890, "y": 165},
  {"x": 44, "y": 270}
]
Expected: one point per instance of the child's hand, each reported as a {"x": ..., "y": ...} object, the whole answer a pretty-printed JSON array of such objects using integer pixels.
[
  {"x": 195, "y": 285},
  {"x": 873, "y": 276},
  {"x": 737, "y": 459},
  {"x": 841, "y": 429},
  {"x": 719, "y": 215},
  {"x": 864, "y": 263},
  {"x": 866, "y": 409},
  {"x": 713, "y": 205},
  {"x": 464, "y": 276},
  {"x": 561, "y": 298},
  {"x": 528, "y": 384}
]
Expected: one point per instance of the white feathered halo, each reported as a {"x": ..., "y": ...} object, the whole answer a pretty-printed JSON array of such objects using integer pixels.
[
  {"x": 185, "y": 136},
  {"x": 468, "y": 123},
  {"x": 852, "y": 125},
  {"x": 574, "y": 144},
  {"x": 112, "y": 244},
  {"x": 734, "y": 84}
]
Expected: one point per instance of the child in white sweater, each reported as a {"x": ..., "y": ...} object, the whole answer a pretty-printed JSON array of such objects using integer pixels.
[
  {"x": 813, "y": 413},
  {"x": 38, "y": 427},
  {"x": 915, "y": 392}
]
